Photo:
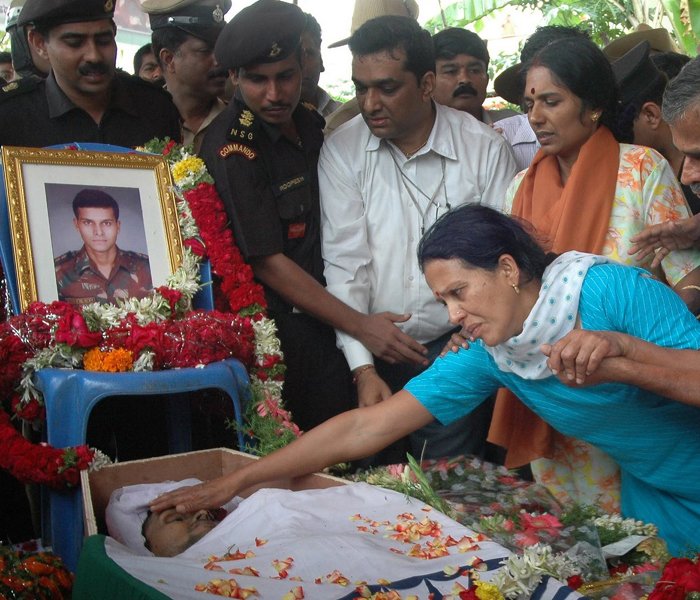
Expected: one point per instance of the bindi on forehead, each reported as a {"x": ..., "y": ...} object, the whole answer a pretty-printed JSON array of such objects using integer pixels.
[{"x": 532, "y": 91}]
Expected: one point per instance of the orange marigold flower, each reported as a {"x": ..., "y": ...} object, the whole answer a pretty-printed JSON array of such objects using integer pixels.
[{"x": 118, "y": 360}]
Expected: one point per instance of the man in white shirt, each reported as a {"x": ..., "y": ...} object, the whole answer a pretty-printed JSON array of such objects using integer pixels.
[{"x": 385, "y": 177}]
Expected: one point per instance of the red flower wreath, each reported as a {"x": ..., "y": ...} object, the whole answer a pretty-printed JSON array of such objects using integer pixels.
[{"x": 209, "y": 337}]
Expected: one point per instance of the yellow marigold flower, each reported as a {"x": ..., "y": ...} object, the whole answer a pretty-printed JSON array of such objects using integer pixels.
[
  {"x": 186, "y": 167},
  {"x": 487, "y": 591}
]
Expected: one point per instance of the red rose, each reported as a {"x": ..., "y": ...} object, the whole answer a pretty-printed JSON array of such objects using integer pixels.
[
  {"x": 73, "y": 330},
  {"x": 667, "y": 591},
  {"x": 196, "y": 246},
  {"x": 171, "y": 295},
  {"x": 690, "y": 580},
  {"x": 574, "y": 582}
]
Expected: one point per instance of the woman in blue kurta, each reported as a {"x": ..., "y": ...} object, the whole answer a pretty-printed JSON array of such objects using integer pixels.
[{"x": 512, "y": 304}]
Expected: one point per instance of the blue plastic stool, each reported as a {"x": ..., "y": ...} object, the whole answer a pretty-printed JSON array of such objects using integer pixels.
[{"x": 70, "y": 395}]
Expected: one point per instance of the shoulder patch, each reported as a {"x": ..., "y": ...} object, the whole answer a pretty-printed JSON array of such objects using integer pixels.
[
  {"x": 19, "y": 87},
  {"x": 235, "y": 148},
  {"x": 65, "y": 257},
  {"x": 134, "y": 255}
]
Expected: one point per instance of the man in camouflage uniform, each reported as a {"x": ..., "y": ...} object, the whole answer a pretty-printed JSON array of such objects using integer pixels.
[{"x": 100, "y": 271}]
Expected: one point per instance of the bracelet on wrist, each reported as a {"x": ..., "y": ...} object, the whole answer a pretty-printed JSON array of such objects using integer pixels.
[{"x": 357, "y": 372}]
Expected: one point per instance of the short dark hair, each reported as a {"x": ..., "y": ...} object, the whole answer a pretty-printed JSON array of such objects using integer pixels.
[
  {"x": 313, "y": 27},
  {"x": 138, "y": 56},
  {"x": 682, "y": 92},
  {"x": 579, "y": 65},
  {"x": 5, "y": 57},
  {"x": 453, "y": 41},
  {"x": 170, "y": 38},
  {"x": 391, "y": 32},
  {"x": 628, "y": 113},
  {"x": 670, "y": 63},
  {"x": 478, "y": 236},
  {"x": 92, "y": 198}
]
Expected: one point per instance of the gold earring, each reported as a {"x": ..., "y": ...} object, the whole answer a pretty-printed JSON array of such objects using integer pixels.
[
  {"x": 516, "y": 288},
  {"x": 595, "y": 117}
]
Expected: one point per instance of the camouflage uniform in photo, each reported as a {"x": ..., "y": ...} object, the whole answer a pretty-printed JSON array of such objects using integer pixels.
[{"x": 80, "y": 281}]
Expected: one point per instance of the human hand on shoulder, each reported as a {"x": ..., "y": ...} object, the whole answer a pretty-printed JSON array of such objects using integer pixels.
[
  {"x": 578, "y": 355},
  {"x": 456, "y": 342}
]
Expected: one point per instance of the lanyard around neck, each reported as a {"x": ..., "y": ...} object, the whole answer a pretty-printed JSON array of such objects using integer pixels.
[{"x": 408, "y": 183}]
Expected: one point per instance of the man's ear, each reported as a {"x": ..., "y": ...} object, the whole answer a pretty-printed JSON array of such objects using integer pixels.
[
  {"x": 38, "y": 41},
  {"x": 427, "y": 84},
  {"x": 651, "y": 114},
  {"x": 165, "y": 58}
]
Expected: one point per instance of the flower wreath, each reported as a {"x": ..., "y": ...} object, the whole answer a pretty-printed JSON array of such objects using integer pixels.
[{"x": 156, "y": 332}]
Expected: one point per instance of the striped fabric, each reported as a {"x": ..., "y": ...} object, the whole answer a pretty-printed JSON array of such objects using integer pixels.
[{"x": 655, "y": 441}]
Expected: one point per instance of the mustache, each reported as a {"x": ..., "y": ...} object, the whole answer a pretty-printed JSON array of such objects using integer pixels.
[
  {"x": 93, "y": 69},
  {"x": 464, "y": 88},
  {"x": 218, "y": 72}
]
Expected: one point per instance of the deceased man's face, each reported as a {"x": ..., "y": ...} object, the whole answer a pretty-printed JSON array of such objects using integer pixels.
[{"x": 169, "y": 533}]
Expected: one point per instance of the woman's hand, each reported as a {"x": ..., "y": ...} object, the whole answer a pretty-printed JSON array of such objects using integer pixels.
[
  {"x": 665, "y": 237},
  {"x": 456, "y": 341},
  {"x": 578, "y": 354},
  {"x": 208, "y": 495}
]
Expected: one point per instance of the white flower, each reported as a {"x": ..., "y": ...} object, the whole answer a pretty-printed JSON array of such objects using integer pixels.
[{"x": 520, "y": 575}]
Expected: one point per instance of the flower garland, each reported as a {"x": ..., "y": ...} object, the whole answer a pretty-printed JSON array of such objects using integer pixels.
[
  {"x": 680, "y": 580},
  {"x": 155, "y": 332},
  {"x": 33, "y": 575}
]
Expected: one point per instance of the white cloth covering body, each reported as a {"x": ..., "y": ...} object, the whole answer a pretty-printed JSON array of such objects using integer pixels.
[{"x": 321, "y": 531}]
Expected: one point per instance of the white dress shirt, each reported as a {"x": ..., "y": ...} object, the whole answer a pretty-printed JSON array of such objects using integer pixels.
[
  {"x": 522, "y": 139},
  {"x": 372, "y": 216}
]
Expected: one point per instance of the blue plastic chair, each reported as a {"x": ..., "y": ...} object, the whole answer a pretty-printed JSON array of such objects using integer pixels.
[{"x": 70, "y": 395}]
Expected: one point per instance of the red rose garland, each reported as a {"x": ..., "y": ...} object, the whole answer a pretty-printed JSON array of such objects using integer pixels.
[{"x": 179, "y": 341}]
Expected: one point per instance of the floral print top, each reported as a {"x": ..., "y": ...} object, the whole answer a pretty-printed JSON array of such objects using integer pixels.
[{"x": 647, "y": 193}]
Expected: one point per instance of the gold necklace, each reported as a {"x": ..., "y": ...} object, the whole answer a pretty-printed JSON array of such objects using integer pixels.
[{"x": 412, "y": 152}]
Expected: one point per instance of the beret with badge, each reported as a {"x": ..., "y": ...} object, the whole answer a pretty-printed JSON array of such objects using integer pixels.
[
  {"x": 265, "y": 32},
  {"x": 56, "y": 12},
  {"x": 203, "y": 19},
  {"x": 635, "y": 73}
]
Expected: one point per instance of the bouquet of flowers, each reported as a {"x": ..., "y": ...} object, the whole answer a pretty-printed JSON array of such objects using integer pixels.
[
  {"x": 680, "y": 580},
  {"x": 33, "y": 575}
]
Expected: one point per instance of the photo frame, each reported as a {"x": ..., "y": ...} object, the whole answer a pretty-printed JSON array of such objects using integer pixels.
[{"x": 41, "y": 187}]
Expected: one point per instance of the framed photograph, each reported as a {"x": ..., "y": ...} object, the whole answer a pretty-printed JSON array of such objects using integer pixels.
[{"x": 89, "y": 226}]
